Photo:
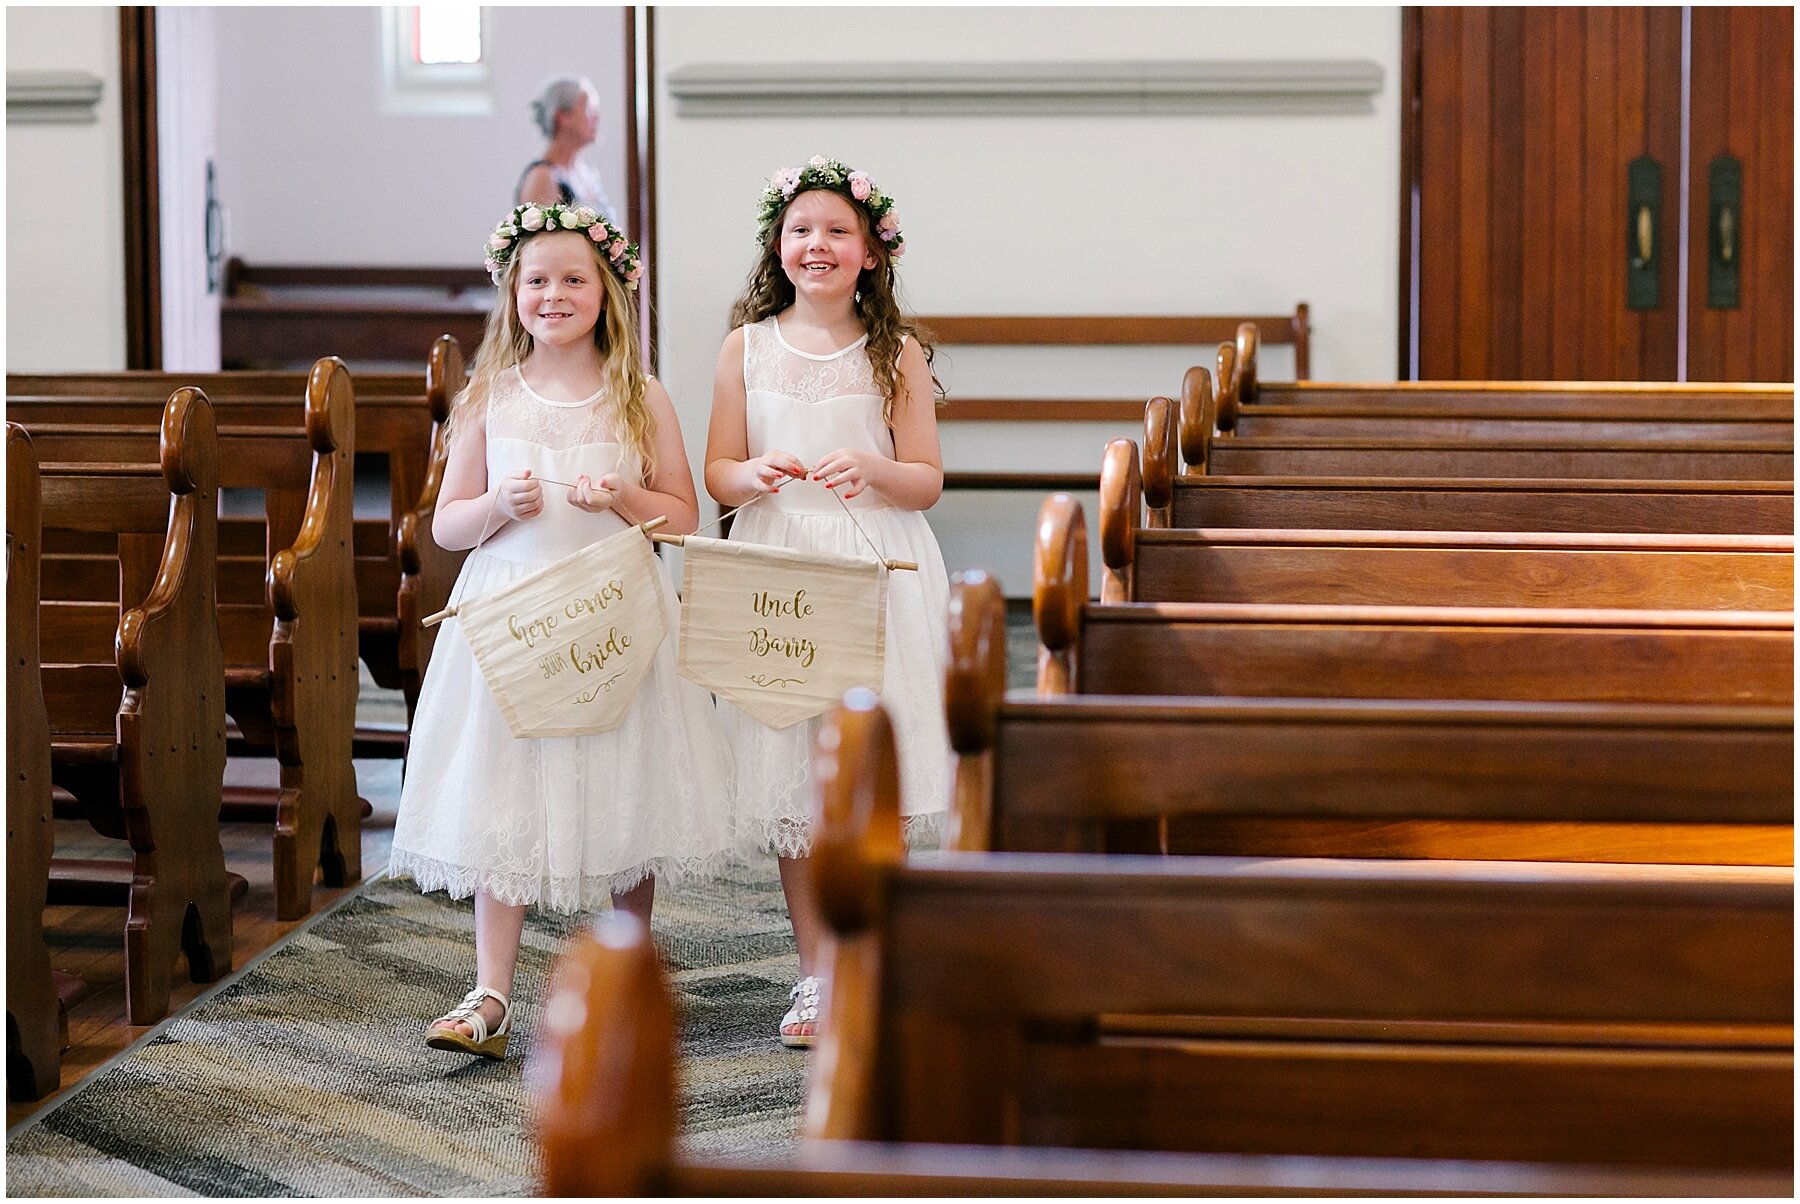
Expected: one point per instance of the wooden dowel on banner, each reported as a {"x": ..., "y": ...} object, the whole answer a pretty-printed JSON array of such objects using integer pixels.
[
  {"x": 893, "y": 566},
  {"x": 650, "y": 529},
  {"x": 646, "y": 527}
]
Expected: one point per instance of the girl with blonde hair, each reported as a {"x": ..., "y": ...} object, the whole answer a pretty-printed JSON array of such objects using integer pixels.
[{"x": 558, "y": 395}]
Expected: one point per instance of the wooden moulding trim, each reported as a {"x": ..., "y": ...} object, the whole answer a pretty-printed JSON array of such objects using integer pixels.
[
  {"x": 1100, "y": 708},
  {"x": 1489, "y": 485},
  {"x": 1285, "y": 86},
  {"x": 1254, "y": 537},
  {"x": 1004, "y": 409},
  {"x": 1343, "y": 616},
  {"x": 1120, "y": 330},
  {"x": 330, "y": 275},
  {"x": 1597, "y": 387}
]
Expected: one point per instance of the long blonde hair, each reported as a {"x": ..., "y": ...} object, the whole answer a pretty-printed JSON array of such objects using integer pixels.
[
  {"x": 506, "y": 344},
  {"x": 768, "y": 291}
]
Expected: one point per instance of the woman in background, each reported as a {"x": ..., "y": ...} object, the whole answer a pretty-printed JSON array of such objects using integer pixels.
[{"x": 567, "y": 110}]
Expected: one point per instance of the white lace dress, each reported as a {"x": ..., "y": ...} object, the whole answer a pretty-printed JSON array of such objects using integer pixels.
[
  {"x": 566, "y": 821},
  {"x": 811, "y": 405}
]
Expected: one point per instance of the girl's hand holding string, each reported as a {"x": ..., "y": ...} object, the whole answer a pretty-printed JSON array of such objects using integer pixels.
[
  {"x": 845, "y": 470},
  {"x": 595, "y": 497},
  {"x": 520, "y": 496},
  {"x": 773, "y": 469}
]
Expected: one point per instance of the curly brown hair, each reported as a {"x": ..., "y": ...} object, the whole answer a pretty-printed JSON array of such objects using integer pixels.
[{"x": 768, "y": 291}]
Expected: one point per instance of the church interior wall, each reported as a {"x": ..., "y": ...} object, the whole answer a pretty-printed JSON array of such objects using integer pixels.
[
  {"x": 65, "y": 259},
  {"x": 1198, "y": 214},
  {"x": 1202, "y": 213}
]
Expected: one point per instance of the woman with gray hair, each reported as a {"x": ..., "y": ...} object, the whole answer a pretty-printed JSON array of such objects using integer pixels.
[{"x": 568, "y": 112}]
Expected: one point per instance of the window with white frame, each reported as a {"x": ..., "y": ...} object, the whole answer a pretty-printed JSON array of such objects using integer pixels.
[{"x": 434, "y": 59}]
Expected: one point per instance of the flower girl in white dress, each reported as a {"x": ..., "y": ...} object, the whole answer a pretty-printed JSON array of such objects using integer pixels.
[
  {"x": 558, "y": 395},
  {"x": 823, "y": 401}
]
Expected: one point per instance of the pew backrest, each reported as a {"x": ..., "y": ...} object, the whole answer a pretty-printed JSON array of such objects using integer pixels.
[
  {"x": 1340, "y": 777},
  {"x": 605, "y": 1057},
  {"x": 1542, "y": 654},
  {"x": 1671, "y": 572},
  {"x": 1578, "y": 1014}
]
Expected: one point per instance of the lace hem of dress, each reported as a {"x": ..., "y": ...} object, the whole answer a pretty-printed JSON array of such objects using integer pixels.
[
  {"x": 789, "y": 837},
  {"x": 568, "y": 896}
]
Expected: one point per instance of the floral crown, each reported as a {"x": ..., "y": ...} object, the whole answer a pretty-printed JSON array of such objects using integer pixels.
[
  {"x": 833, "y": 176},
  {"x": 526, "y": 220}
]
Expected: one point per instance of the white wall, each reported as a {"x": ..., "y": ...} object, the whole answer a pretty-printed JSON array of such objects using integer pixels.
[
  {"x": 1118, "y": 214},
  {"x": 65, "y": 295},
  {"x": 307, "y": 159}
]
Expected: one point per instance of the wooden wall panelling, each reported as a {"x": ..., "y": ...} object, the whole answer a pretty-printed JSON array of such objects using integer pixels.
[{"x": 1742, "y": 88}]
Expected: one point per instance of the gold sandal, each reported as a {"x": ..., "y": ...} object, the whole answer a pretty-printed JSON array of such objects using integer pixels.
[{"x": 445, "y": 1035}]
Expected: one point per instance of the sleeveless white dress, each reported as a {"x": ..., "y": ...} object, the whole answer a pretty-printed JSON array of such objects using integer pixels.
[
  {"x": 810, "y": 405},
  {"x": 562, "y": 822}
]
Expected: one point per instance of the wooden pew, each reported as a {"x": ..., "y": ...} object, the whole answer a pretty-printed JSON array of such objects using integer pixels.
[
  {"x": 1062, "y": 330},
  {"x": 402, "y": 574},
  {"x": 1296, "y": 456},
  {"x": 1597, "y": 1014},
  {"x": 1541, "y": 654},
  {"x": 290, "y": 647},
  {"x": 1453, "y": 442},
  {"x": 1562, "y": 413},
  {"x": 277, "y": 314},
  {"x": 1667, "y": 572},
  {"x": 606, "y": 1058},
  {"x": 1354, "y": 778},
  {"x": 1484, "y": 504},
  {"x": 134, "y": 687},
  {"x": 33, "y": 1031},
  {"x": 1635, "y": 401},
  {"x": 1496, "y": 502}
]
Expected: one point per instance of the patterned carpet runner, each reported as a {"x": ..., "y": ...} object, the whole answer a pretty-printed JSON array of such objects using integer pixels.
[{"x": 308, "y": 1075}]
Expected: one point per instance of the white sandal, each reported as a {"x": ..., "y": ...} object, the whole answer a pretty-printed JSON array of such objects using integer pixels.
[
  {"x": 805, "y": 995},
  {"x": 444, "y": 1035}
]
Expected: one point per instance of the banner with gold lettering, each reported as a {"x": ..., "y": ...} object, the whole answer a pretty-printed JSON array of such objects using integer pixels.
[
  {"x": 565, "y": 649},
  {"x": 780, "y": 632}
]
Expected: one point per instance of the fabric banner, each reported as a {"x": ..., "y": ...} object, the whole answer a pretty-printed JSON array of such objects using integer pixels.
[
  {"x": 781, "y": 633},
  {"x": 565, "y": 649}
]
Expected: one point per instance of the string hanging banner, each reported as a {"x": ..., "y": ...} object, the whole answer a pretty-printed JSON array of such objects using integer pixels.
[
  {"x": 781, "y": 633},
  {"x": 565, "y": 649}
]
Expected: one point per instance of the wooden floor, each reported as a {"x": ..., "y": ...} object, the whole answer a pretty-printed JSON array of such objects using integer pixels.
[{"x": 88, "y": 942}]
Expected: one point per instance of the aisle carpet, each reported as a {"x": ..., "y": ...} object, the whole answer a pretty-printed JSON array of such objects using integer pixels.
[{"x": 308, "y": 1075}]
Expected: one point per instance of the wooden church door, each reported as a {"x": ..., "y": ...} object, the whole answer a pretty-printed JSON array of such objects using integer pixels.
[{"x": 1547, "y": 169}]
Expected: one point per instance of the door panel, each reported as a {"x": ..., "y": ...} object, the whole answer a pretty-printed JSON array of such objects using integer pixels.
[
  {"x": 1742, "y": 88},
  {"x": 1529, "y": 120}
]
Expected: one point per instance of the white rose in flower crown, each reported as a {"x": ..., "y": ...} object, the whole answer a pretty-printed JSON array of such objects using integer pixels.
[
  {"x": 817, "y": 161},
  {"x": 532, "y": 218},
  {"x": 571, "y": 220}
]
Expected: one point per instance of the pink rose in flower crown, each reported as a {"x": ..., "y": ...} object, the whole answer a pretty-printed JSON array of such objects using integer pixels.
[
  {"x": 861, "y": 186},
  {"x": 899, "y": 249},
  {"x": 597, "y": 232},
  {"x": 888, "y": 224},
  {"x": 532, "y": 218},
  {"x": 615, "y": 249},
  {"x": 635, "y": 274}
]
